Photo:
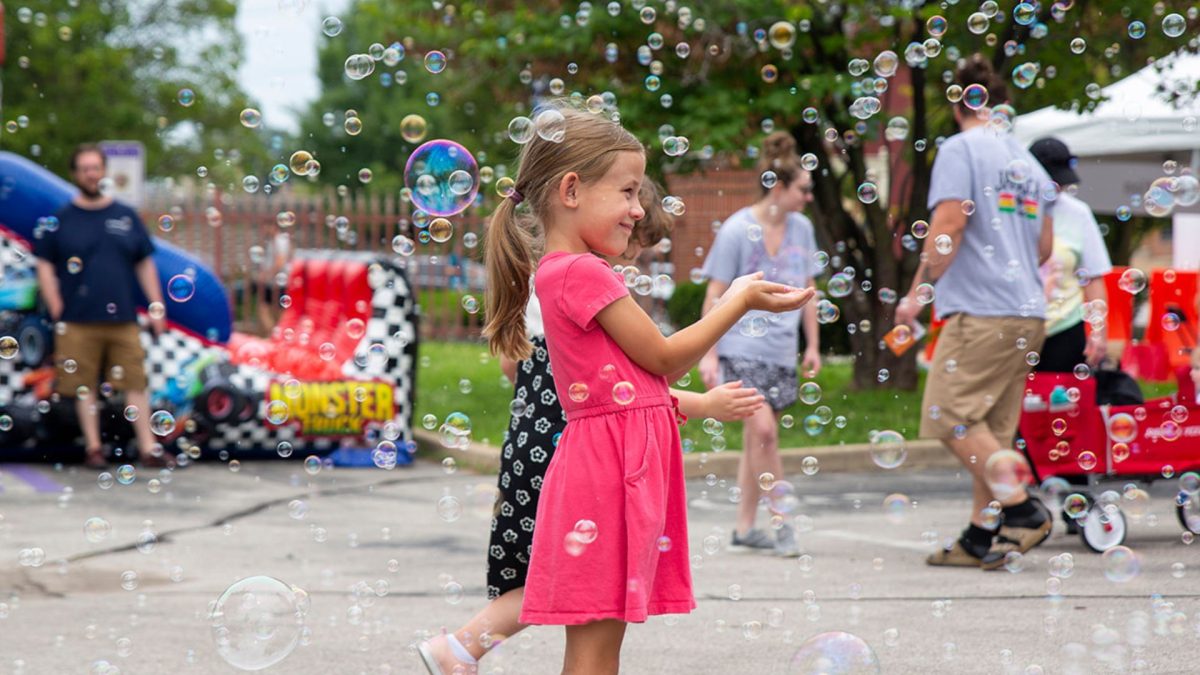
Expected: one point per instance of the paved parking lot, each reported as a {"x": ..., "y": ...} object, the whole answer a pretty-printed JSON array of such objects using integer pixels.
[{"x": 379, "y": 566}]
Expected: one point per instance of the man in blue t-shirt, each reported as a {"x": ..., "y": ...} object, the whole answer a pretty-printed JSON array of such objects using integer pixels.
[{"x": 89, "y": 268}]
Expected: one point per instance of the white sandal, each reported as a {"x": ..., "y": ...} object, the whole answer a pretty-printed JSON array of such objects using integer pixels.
[{"x": 427, "y": 658}]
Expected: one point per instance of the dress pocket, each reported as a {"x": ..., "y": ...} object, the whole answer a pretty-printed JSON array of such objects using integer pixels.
[{"x": 639, "y": 446}]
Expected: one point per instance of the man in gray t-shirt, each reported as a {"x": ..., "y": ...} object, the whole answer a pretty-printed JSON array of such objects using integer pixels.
[{"x": 990, "y": 230}]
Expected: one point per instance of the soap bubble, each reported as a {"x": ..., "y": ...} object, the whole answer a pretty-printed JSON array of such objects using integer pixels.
[
  {"x": 331, "y": 26},
  {"x": 782, "y": 35},
  {"x": 578, "y": 392},
  {"x": 1024, "y": 14},
  {"x": 896, "y": 507},
  {"x": 250, "y": 118},
  {"x": 358, "y": 66},
  {"x": 440, "y": 230},
  {"x": 429, "y": 173},
  {"x": 1137, "y": 30},
  {"x": 1025, "y": 74},
  {"x": 96, "y": 529},
  {"x": 1006, "y": 472},
  {"x": 623, "y": 393},
  {"x": 449, "y": 508},
  {"x": 1122, "y": 427},
  {"x": 827, "y": 312},
  {"x": 840, "y": 285},
  {"x": 551, "y": 125},
  {"x": 435, "y": 62},
  {"x": 1173, "y": 25},
  {"x": 181, "y": 288},
  {"x": 455, "y": 430},
  {"x": 1075, "y": 505},
  {"x": 868, "y": 193},
  {"x": 886, "y": 63},
  {"x": 9, "y": 347},
  {"x": 977, "y": 23},
  {"x": 810, "y": 393},
  {"x": 782, "y": 499},
  {"x": 975, "y": 96},
  {"x": 413, "y": 128},
  {"x": 888, "y": 449},
  {"x": 186, "y": 97},
  {"x": 1121, "y": 564},
  {"x": 586, "y": 531},
  {"x": 257, "y": 622},
  {"x": 1132, "y": 281},
  {"x": 277, "y": 412},
  {"x": 936, "y": 25},
  {"x": 298, "y": 162},
  {"x": 832, "y": 653},
  {"x": 162, "y": 423},
  {"x": 520, "y": 130}
]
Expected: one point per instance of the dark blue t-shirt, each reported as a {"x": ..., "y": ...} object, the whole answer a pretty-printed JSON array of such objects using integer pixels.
[{"x": 94, "y": 253}]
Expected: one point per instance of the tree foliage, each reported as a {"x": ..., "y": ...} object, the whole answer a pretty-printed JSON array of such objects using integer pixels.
[
  {"x": 720, "y": 73},
  {"x": 83, "y": 71}
]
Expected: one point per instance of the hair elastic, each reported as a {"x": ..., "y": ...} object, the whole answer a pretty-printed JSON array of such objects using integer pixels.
[{"x": 516, "y": 197}]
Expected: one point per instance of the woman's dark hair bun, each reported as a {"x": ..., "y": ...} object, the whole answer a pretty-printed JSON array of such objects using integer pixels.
[{"x": 779, "y": 145}]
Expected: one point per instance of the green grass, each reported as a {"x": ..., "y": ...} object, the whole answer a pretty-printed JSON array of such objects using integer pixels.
[{"x": 444, "y": 365}]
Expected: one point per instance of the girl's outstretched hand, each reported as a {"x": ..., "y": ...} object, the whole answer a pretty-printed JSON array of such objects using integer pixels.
[
  {"x": 772, "y": 297},
  {"x": 731, "y": 401},
  {"x": 738, "y": 285}
]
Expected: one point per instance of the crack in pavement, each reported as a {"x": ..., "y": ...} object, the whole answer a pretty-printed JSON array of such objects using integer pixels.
[{"x": 167, "y": 536}]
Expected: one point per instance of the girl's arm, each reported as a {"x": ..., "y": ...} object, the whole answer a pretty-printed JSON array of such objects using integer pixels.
[
  {"x": 509, "y": 368},
  {"x": 640, "y": 339},
  {"x": 811, "y": 362},
  {"x": 726, "y": 403}
]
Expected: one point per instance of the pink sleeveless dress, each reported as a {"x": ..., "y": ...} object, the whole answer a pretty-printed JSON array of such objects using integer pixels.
[{"x": 610, "y": 540}]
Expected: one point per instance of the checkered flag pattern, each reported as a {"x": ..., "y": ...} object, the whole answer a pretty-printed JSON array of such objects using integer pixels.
[{"x": 387, "y": 352}]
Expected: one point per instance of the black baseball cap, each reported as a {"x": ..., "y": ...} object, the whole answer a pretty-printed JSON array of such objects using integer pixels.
[{"x": 1057, "y": 159}]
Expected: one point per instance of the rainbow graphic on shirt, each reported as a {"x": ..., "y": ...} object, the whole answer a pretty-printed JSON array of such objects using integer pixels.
[
  {"x": 1008, "y": 202},
  {"x": 1030, "y": 207}
]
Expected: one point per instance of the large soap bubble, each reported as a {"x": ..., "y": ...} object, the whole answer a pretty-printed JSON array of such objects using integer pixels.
[
  {"x": 257, "y": 622},
  {"x": 437, "y": 173},
  {"x": 834, "y": 653}
]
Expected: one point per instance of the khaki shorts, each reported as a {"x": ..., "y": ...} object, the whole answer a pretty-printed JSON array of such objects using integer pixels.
[
  {"x": 978, "y": 375},
  {"x": 95, "y": 349}
]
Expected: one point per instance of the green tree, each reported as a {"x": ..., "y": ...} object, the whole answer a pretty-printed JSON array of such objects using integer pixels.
[
  {"x": 714, "y": 72},
  {"x": 85, "y": 71}
]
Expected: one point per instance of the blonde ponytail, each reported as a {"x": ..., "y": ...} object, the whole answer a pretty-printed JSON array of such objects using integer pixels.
[
  {"x": 588, "y": 147},
  {"x": 508, "y": 257}
]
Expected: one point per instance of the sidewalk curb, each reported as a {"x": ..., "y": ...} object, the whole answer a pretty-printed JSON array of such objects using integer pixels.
[{"x": 922, "y": 454}]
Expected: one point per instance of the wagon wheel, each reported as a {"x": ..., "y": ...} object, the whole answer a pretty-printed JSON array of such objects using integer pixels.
[
  {"x": 1187, "y": 507},
  {"x": 1103, "y": 529}
]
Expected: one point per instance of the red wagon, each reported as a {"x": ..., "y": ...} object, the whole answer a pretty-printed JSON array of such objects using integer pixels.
[{"x": 1074, "y": 445}]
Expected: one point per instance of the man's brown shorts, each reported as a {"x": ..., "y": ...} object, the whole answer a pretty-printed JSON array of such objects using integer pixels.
[
  {"x": 977, "y": 378},
  {"x": 86, "y": 353}
]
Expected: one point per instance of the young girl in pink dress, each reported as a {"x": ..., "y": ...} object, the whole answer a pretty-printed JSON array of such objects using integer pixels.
[{"x": 610, "y": 546}]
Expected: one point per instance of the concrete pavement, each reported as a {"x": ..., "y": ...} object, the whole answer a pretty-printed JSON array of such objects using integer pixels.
[{"x": 335, "y": 531}]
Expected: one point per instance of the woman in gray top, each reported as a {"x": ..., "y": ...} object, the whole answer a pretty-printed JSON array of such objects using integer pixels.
[{"x": 772, "y": 237}]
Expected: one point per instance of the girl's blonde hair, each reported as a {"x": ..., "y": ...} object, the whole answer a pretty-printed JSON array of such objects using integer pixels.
[{"x": 588, "y": 147}]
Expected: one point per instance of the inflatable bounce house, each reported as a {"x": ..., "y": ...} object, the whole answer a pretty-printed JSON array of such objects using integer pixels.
[{"x": 335, "y": 378}]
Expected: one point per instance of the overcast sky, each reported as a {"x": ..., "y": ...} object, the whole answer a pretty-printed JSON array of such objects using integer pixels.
[{"x": 280, "y": 39}]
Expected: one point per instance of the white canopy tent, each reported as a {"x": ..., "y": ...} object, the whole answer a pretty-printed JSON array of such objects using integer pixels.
[
  {"x": 1136, "y": 118},
  {"x": 1123, "y": 143}
]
